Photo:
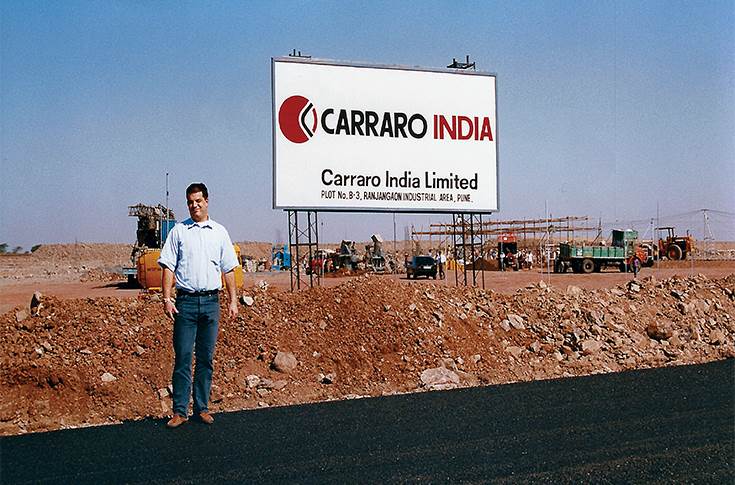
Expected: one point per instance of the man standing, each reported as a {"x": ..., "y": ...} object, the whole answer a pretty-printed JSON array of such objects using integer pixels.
[
  {"x": 440, "y": 260},
  {"x": 196, "y": 251}
]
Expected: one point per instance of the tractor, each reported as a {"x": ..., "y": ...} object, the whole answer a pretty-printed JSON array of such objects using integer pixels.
[{"x": 674, "y": 247}]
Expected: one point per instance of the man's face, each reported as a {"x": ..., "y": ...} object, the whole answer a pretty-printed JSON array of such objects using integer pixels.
[{"x": 198, "y": 206}]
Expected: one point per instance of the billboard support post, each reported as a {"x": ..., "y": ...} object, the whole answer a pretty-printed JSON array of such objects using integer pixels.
[
  {"x": 298, "y": 247},
  {"x": 467, "y": 237}
]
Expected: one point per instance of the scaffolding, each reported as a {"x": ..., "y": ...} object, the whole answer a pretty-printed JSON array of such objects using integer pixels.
[{"x": 545, "y": 228}]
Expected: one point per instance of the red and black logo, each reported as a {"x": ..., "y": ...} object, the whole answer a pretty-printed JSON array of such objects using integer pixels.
[{"x": 297, "y": 119}]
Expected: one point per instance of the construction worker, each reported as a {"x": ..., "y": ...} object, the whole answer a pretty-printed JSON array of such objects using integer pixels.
[
  {"x": 196, "y": 251},
  {"x": 440, "y": 260}
]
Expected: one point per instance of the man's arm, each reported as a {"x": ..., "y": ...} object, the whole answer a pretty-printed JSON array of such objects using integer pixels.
[
  {"x": 231, "y": 293},
  {"x": 168, "y": 282}
]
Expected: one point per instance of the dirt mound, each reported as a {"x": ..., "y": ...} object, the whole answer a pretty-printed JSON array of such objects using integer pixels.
[
  {"x": 255, "y": 250},
  {"x": 92, "y": 361},
  {"x": 110, "y": 254},
  {"x": 65, "y": 260}
]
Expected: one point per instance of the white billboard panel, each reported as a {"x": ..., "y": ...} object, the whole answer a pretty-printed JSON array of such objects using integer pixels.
[{"x": 382, "y": 138}]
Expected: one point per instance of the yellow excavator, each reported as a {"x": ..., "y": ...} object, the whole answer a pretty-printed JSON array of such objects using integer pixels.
[{"x": 154, "y": 224}]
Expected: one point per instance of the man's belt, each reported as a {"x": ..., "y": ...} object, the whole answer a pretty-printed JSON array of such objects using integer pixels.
[{"x": 180, "y": 291}]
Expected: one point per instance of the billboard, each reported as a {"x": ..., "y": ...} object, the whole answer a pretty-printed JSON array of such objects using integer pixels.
[{"x": 383, "y": 138}]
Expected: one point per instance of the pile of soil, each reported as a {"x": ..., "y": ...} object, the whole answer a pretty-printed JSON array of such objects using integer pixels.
[
  {"x": 93, "y": 361},
  {"x": 255, "y": 250},
  {"x": 65, "y": 261}
]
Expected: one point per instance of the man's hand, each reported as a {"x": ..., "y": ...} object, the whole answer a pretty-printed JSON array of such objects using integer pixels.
[
  {"x": 232, "y": 309},
  {"x": 231, "y": 294},
  {"x": 169, "y": 308}
]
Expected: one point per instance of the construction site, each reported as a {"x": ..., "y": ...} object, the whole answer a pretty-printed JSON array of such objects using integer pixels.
[
  {"x": 473, "y": 299},
  {"x": 86, "y": 342}
]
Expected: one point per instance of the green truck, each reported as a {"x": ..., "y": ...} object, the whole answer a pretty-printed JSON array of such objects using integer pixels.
[{"x": 622, "y": 254}]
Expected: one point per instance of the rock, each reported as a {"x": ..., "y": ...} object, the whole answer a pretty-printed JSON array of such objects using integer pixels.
[
  {"x": 139, "y": 350},
  {"x": 716, "y": 337},
  {"x": 574, "y": 290},
  {"x": 272, "y": 385},
  {"x": 107, "y": 377},
  {"x": 634, "y": 287},
  {"x": 263, "y": 285},
  {"x": 514, "y": 351},
  {"x": 327, "y": 378},
  {"x": 476, "y": 358},
  {"x": 429, "y": 296},
  {"x": 659, "y": 330},
  {"x": 162, "y": 393},
  {"x": 412, "y": 307},
  {"x": 516, "y": 321},
  {"x": 85, "y": 352},
  {"x": 449, "y": 363},
  {"x": 684, "y": 308},
  {"x": 438, "y": 316},
  {"x": 505, "y": 325},
  {"x": 591, "y": 346},
  {"x": 47, "y": 346},
  {"x": 386, "y": 308},
  {"x": 542, "y": 284},
  {"x": 247, "y": 300},
  {"x": 21, "y": 315},
  {"x": 557, "y": 355},
  {"x": 595, "y": 317},
  {"x": 439, "y": 378},
  {"x": 36, "y": 303},
  {"x": 216, "y": 394},
  {"x": 677, "y": 294},
  {"x": 252, "y": 381},
  {"x": 284, "y": 362}
]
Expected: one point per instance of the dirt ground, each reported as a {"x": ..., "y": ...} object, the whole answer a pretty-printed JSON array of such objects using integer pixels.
[{"x": 95, "y": 352}]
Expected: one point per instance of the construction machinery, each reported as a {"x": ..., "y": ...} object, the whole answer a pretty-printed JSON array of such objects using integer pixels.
[
  {"x": 347, "y": 256},
  {"x": 280, "y": 257},
  {"x": 623, "y": 253},
  {"x": 673, "y": 247},
  {"x": 154, "y": 225},
  {"x": 374, "y": 257},
  {"x": 507, "y": 251}
]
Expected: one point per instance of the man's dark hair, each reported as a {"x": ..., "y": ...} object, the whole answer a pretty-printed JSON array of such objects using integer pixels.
[{"x": 197, "y": 187}]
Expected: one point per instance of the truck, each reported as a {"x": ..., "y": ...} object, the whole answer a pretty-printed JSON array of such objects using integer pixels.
[
  {"x": 508, "y": 247},
  {"x": 421, "y": 266},
  {"x": 622, "y": 253}
]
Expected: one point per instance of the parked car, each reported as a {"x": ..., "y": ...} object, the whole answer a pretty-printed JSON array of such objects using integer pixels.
[{"x": 421, "y": 266}]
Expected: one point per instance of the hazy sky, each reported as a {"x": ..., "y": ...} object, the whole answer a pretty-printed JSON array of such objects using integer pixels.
[{"x": 606, "y": 108}]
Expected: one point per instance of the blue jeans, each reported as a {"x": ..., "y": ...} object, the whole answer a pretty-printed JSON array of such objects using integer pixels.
[{"x": 195, "y": 329}]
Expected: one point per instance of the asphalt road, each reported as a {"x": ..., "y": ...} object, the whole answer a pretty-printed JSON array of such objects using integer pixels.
[{"x": 668, "y": 425}]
